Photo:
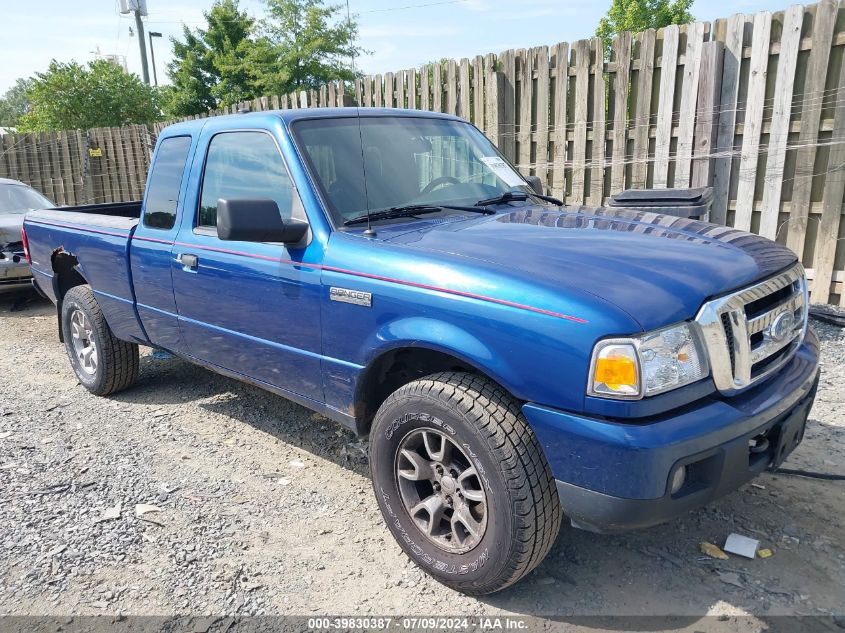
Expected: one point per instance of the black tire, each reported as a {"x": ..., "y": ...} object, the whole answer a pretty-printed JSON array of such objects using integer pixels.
[
  {"x": 523, "y": 514},
  {"x": 117, "y": 361}
]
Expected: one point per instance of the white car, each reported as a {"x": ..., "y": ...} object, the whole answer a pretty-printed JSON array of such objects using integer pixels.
[{"x": 16, "y": 198}]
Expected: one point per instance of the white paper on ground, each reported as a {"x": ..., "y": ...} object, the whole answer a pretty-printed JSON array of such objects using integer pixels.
[
  {"x": 741, "y": 545},
  {"x": 503, "y": 171}
]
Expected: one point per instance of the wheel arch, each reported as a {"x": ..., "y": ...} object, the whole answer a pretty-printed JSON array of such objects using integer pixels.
[
  {"x": 67, "y": 274},
  {"x": 406, "y": 356}
]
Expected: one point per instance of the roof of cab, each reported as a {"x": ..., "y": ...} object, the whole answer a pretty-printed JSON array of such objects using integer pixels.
[{"x": 289, "y": 116}]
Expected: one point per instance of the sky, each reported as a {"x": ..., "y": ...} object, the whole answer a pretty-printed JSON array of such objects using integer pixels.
[{"x": 400, "y": 34}]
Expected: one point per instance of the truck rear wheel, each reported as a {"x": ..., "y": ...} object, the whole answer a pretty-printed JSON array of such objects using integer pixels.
[
  {"x": 103, "y": 363},
  {"x": 462, "y": 482}
]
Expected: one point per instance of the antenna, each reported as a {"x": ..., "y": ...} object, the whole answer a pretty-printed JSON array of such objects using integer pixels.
[{"x": 370, "y": 232}]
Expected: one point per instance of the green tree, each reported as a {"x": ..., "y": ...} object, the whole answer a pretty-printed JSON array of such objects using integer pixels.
[
  {"x": 640, "y": 15},
  {"x": 303, "y": 45},
  {"x": 14, "y": 104},
  {"x": 210, "y": 67},
  {"x": 72, "y": 96}
]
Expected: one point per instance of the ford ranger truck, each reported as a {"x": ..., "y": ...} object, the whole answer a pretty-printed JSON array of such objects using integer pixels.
[{"x": 511, "y": 359}]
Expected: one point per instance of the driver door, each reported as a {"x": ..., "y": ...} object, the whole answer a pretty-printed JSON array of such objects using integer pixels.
[{"x": 248, "y": 307}]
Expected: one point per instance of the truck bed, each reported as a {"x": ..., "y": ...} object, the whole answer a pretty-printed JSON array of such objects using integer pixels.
[
  {"x": 117, "y": 215},
  {"x": 93, "y": 241}
]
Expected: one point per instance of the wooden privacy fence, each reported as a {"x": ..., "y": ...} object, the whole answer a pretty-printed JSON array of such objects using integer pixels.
[{"x": 751, "y": 105}]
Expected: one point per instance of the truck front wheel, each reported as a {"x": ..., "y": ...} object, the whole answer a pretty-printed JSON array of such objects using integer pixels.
[
  {"x": 462, "y": 482},
  {"x": 103, "y": 363}
]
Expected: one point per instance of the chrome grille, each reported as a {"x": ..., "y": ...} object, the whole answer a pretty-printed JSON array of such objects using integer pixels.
[{"x": 751, "y": 333}]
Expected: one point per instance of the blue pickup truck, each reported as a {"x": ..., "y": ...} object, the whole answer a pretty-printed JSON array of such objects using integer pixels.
[{"x": 511, "y": 359}]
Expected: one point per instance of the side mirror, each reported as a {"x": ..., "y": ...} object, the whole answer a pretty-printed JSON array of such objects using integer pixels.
[
  {"x": 535, "y": 183},
  {"x": 256, "y": 220}
]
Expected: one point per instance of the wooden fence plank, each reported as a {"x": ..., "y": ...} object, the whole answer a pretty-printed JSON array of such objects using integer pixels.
[
  {"x": 525, "y": 72},
  {"x": 709, "y": 88},
  {"x": 117, "y": 164},
  {"x": 102, "y": 162},
  {"x": 731, "y": 66},
  {"x": 378, "y": 88},
  {"x": 561, "y": 77},
  {"x": 452, "y": 87},
  {"x": 67, "y": 168},
  {"x": 58, "y": 175},
  {"x": 436, "y": 88},
  {"x": 832, "y": 198},
  {"x": 8, "y": 165},
  {"x": 642, "y": 116},
  {"x": 425, "y": 88},
  {"x": 135, "y": 178},
  {"x": 621, "y": 83},
  {"x": 465, "y": 92},
  {"x": 753, "y": 123},
  {"x": 400, "y": 89},
  {"x": 493, "y": 103},
  {"x": 411, "y": 76},
  {"x": 666, "y": 104},
  {"x": 579, "y": 146},
  {"x": 824, "y": 22},
  {"x": 599, "y": 126},
  {"x": 790, "y": 41},
  {"x": 42, "y": 162},
  {"x": 507, "y": 94},
  {"x": 478, "y": 93},
  {"x": 368, "y": 92},
  {"x": 689, "y": 100},
  {"x": 6, "y": 144},
  {"x": 23, "y": 153},
  {"x": 389, "y": 91},
  {"x": 541, "y": 114},
  {"x": 33, "y": 147}
]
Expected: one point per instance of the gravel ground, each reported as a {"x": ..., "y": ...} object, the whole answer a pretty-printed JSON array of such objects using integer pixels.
[{"x": 266, "y": 508}]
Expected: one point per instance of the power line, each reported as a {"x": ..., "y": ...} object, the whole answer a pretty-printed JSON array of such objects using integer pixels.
[{"x": 414, "y": 6}]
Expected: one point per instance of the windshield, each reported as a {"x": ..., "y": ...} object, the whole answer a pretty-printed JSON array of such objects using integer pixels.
[
  {"x": 398, "y": 161},
  {"x": 20, "y": 199}
]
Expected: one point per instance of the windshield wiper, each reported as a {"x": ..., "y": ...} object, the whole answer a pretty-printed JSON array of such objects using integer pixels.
[
  {"x": 513, "y": 196},
  {"x": 410, "y": 210}
]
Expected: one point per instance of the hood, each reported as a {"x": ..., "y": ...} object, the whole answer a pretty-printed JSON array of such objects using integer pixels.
[
  {"x": 10, "y": 228},
  {"x": 657, "y": 268}
]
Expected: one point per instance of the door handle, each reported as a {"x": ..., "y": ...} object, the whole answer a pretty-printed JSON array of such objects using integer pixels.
[{"x": 189, "y": 262}]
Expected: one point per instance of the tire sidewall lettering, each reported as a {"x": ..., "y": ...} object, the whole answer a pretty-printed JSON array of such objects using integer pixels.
[{"x": 396, "y": 514}]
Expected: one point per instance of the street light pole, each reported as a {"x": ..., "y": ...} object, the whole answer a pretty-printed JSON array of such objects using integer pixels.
[
  {"x": 153, "y": 55},
  {"x": 143, "y": 44}
]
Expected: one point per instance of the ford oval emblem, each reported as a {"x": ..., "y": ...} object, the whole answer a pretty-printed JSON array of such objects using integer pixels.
[{"x": 782, "y": 327}]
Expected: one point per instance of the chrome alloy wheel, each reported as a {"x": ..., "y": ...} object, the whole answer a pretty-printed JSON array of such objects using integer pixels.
[
  {"x": 441, "y": 490},
  {"x": 82, "y": 338}
]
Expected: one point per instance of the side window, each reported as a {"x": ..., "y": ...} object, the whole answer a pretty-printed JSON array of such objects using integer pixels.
[
  {"x": 243, "y": 165},
  {"x": 165, "y": 182}
]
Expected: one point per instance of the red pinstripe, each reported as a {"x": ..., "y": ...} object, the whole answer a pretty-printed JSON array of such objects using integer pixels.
[{"x": 403, "y": 282}]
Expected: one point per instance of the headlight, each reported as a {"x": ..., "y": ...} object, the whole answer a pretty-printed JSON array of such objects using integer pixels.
[{"x": 631, "y": 368}]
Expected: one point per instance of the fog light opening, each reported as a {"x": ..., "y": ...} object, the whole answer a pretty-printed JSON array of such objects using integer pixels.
[{"x": 679, "y": 478}]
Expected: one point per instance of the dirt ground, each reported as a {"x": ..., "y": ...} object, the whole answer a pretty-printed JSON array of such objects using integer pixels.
[{"x": 266, "y": 508}]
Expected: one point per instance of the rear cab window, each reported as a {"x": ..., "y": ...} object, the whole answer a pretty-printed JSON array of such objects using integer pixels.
[{"x": 162, "y": 197}]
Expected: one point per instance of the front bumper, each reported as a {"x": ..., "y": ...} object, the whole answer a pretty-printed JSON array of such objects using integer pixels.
[{"x": 614, "y": 476}]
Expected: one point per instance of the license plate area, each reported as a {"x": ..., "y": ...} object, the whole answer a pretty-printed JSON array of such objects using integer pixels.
[{"x": 774, "y": 446}]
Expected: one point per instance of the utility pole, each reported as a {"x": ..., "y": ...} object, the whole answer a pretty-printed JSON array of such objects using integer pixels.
[
  {"x": 145, "y": 71},
  {"x": 153, "y": 55}
]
